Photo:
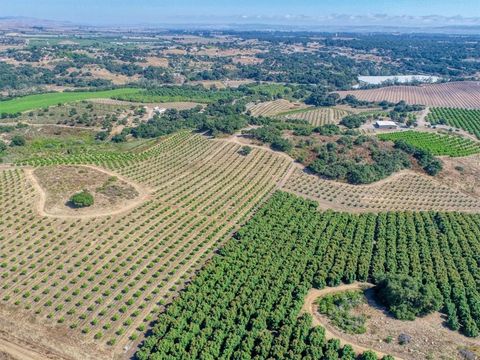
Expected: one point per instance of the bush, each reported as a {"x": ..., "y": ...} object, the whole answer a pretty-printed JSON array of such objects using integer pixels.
[
  {"x": 82, "y": 199},
  {"x": 18, "y": 140},
  {"x": 3, "y": 146},
  {"x": 353, "y": 121},
  {"x": 245, "y": 150},
  {"x": 404, "y": 339},
  {"x": 407, "y": 297}
]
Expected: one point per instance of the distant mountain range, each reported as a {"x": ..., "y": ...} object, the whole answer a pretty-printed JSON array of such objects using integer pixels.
[{"x": 333, "y": 23}]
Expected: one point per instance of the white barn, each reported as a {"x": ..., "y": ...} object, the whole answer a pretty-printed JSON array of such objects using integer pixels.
[{"x": 386, "y": 124}]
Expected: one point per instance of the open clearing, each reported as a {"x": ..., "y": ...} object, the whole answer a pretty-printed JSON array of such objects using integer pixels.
[
  {"x": 465, "y": 94},
  {"x": 430, "y": 339},
  {"x": 31, "y": 102},
  {"x": 59, "y": 183},
  {"x": 102, "y": 279}
]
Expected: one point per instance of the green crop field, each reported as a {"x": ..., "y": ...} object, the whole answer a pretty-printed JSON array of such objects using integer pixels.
[
  {"x": 468, "y": 120},
  {"x": 32, "y": 102},
  {"x": 436, "y": 144}
]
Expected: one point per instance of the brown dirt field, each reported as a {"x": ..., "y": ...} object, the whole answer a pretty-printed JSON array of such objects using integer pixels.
[
  {"x": 247, "y": 60},
  {"x": 31, "y": 340},
  {"x": 461, "y": 94},
  {"x": 117, "y": 79},
  {"x": 155, "y": 61},
  {"x": 58, "y": 183},
  {"x": 466, "y": 178},
  {"x": 430, "y": 339}
]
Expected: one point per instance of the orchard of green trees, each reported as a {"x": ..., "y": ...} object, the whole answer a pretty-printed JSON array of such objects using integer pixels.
[{"x": 245, "y": 303}]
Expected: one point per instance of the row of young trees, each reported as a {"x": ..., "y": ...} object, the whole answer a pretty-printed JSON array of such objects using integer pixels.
[{"x": 245, "y": 303}]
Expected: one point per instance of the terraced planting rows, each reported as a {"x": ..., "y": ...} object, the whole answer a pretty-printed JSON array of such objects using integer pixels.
[
  {"x": 317, "y": 117},
  {"x": 436, "y": 144},
  {"x": 468, "y": 120},
  {"x": 461, "y": 94},
  {"x": 402, "y": 191},
  {"x": 246, "y": 303},
  {"x": 273, "y": 108},
  {"x": 107, "y": 277}
]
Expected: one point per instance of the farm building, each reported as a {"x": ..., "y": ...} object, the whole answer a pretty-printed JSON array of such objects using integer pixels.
[
  {"x": 159, "y": 110},
  {"x": 385, "y": 124}
]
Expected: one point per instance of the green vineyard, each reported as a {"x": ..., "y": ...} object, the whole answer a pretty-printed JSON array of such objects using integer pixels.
[
  {"x": 468, "y": 120},
  {"x": 245, "y": 304},
  {"x": 436, "y": 144}
]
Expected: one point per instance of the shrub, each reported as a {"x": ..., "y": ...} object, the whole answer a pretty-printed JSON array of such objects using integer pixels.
[
  {"x": 245, "y": 150},
  {"x": 404, "y": 339},
  {"x": 407, "y": 297},
  {"x": 18, "y": 140},
  {"x": 82, "y": 199}
]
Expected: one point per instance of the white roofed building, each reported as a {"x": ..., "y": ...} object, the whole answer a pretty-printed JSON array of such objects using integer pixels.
[{"x": 386, "y": 124}]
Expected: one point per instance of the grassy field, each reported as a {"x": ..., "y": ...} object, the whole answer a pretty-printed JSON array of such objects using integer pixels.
[
  {"x": 436, "y": 144},
  {"x": 32, "y": 102}
]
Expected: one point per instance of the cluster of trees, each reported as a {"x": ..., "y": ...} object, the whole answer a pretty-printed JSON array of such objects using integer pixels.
[
  {"x": 403, "y": 113},
  {"x": 245, "y": 303},
  {"x": 273, "y": 136},
  {"x": 426, "y": 160},
  {"x": 217, "y": 118},
  {"x": 443, "y": 55},
  {"x": 337, "y": 160},
  {"x": 407, "y": 297},
  {"x": 353, "y": 121},
  {"x": 321, "y": 97}
]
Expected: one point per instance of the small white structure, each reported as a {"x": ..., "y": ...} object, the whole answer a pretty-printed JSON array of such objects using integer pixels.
[
  {"x": 385, "y": 124},
  {"x": 159, "y": 110}
]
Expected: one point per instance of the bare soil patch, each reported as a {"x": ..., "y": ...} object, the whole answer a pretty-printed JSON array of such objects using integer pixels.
[
  {"x": 23, "y": 337},
  {"x": 59, "y": 183},
  {"x": 155, "y": 61},
  {"x": 430, "y": 339},
  {"x": 462, "y": 173}
]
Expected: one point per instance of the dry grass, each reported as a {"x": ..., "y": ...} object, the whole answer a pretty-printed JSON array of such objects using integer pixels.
[{"x": 59, "y": 183}]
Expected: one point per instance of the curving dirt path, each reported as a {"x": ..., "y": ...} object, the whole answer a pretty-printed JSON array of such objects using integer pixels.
[
  {"x": 330, "y": 331},
  {"x": 144, "y": 195}
]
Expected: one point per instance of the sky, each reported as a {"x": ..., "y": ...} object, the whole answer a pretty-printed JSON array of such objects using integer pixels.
[{"x": 247, "y": 11}]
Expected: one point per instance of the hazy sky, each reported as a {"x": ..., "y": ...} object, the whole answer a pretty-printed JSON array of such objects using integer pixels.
[{"x": 157, "y": 11}]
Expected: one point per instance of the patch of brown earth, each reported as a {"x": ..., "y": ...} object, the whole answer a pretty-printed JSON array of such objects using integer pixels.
[
  {"x": 56, "y": 184},
  {"x": 462, "y": 173}
]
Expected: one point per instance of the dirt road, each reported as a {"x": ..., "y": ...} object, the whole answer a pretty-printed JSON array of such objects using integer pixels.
[{"x": 330, "y": 331}]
